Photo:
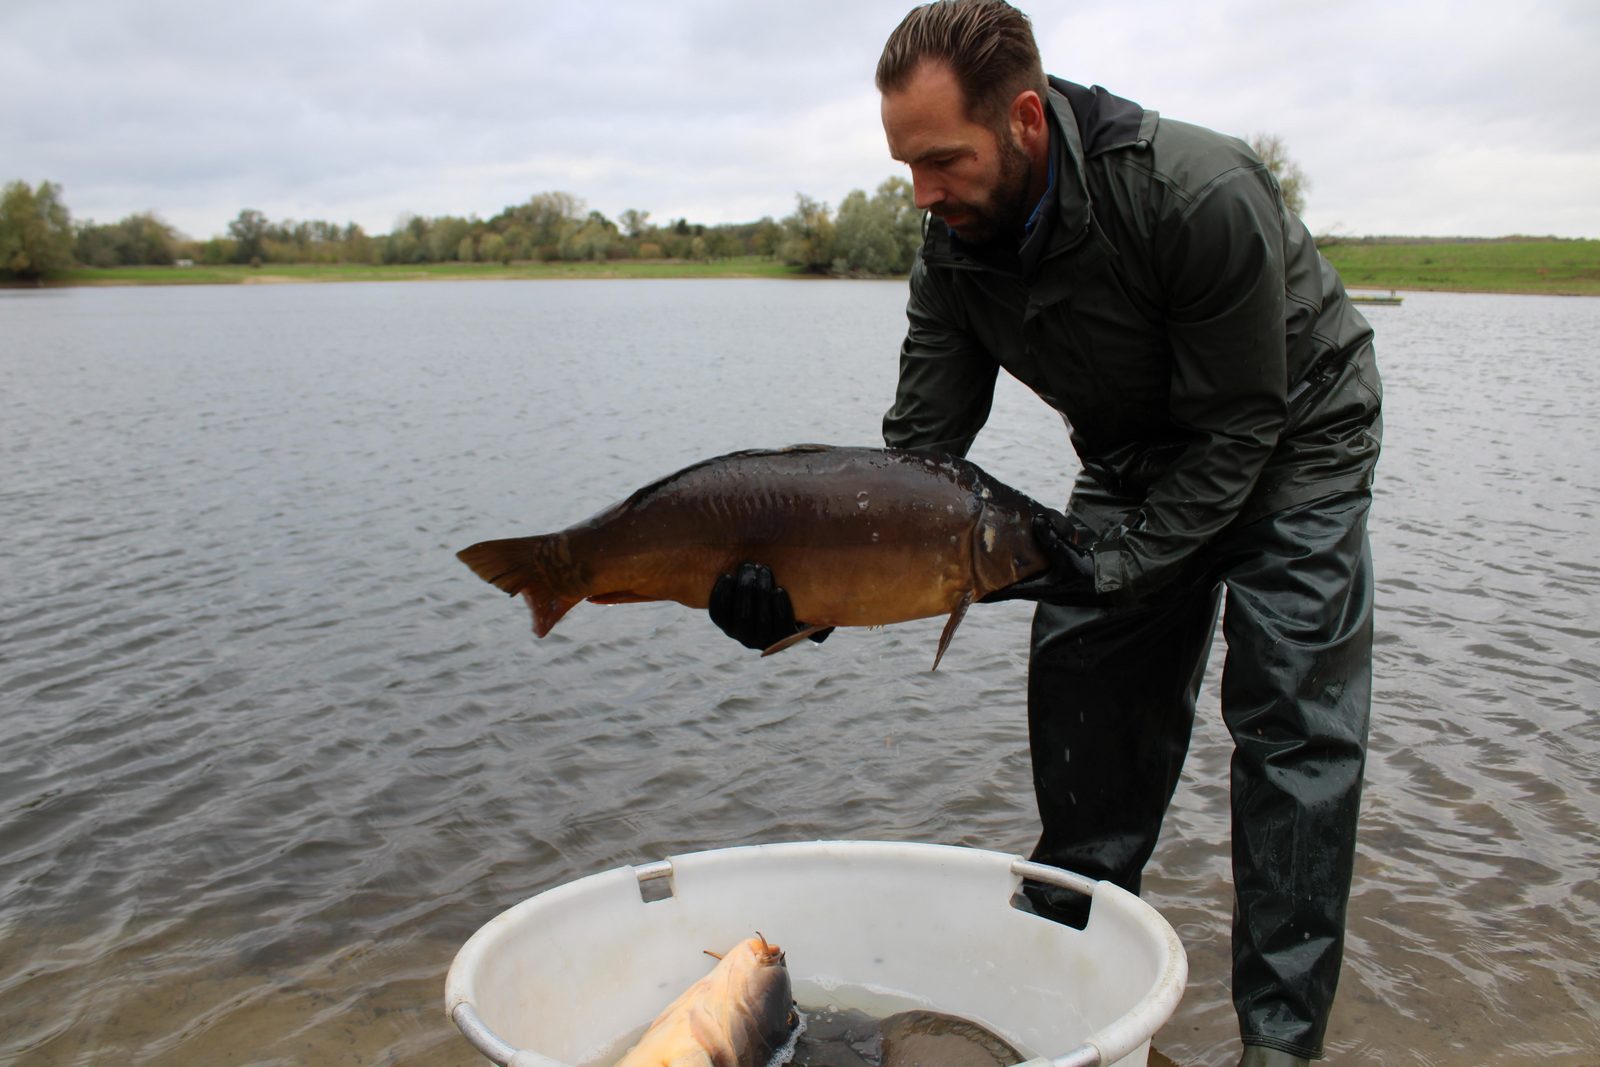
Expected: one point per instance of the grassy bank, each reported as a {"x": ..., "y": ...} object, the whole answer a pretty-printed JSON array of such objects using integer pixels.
[
  {"x": 1501, "y": 266},
  {"x": 232, "y": 274},
  {"x": 1497, "y": 266}
]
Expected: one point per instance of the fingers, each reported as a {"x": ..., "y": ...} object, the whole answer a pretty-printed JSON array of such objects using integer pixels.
[
  {"x": 749, "y": 606},
  {"x": 723, "y": 594},
  {"x": 766, "y": 611},
  {"x": 1057, "y": 536}
]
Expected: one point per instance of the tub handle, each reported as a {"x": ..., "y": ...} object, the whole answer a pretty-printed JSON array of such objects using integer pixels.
[
  {"x": 1086, "y": 1054},
  {"x": 1055, "y": 876}
]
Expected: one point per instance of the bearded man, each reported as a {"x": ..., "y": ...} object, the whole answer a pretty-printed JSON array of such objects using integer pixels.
[{"x": 1144, "y": 277}]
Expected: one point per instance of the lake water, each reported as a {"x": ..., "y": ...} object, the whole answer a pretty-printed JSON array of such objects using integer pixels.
[{"x": 270, "y": 753}]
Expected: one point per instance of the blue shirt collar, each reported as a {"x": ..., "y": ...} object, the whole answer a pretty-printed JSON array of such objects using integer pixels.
[{"x": 1044, "y": 201}]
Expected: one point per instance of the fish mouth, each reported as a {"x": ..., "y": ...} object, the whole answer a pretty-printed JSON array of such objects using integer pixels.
[{"x": 768, "y": 952}]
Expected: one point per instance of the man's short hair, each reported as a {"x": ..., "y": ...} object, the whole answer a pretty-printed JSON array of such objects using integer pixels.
[{"x": 987, "y": 44}]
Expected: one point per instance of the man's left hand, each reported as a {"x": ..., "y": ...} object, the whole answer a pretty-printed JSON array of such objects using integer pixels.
[{"x": 1069, "y": 578}]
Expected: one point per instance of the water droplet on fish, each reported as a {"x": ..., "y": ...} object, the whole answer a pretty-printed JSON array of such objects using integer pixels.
[
  {"x": 861, "y": 500},
  {"x": 874, "y": 536}
]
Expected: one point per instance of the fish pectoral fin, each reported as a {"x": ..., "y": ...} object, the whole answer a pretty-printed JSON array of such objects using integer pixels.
[
  {"x": 956, "y": 615},
  {"x": 622, "y": 597},
  {"x": 793, "y": 639}
]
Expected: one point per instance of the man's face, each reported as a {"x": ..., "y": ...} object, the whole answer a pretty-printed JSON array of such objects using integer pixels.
[{"x": 963, "y": 172}]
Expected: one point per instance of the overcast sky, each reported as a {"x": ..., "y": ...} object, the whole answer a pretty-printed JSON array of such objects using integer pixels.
[{"x": 1455, "y": 117}]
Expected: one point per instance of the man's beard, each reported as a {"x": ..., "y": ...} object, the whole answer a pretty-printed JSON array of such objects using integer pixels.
[{"x": 1005, "y": 209}]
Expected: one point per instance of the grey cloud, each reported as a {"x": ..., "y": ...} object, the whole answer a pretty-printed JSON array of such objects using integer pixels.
[{"x": 720, "y": 110}]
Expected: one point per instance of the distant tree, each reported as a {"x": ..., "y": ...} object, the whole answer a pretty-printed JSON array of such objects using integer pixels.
[
  {"x": 445, "y": 235},
  {"x": 219, "y": 250},
  {"x": 278, "y": 250},
  {"x": 146, "y": 239},
  {"x": 407, "y": 242},
  {"x": 634, "y": 223},
  {"x": 593, "y": 238},
  {"x": 765, "y": 236},
  {"x": 546, "y": 216},
  {"x": 723, "y": 242},
  {"x": 899, "y": 199},
  {"x": 880, "y": 235},
  {"x": 35, "y": 231},
  {"x": 863, "y": 239},
  {"x": 1291, "y": 179},
  {"x": 808, "y": 236},
  {"x": 534, "y": 229},
  {"x": 877, "y": 234},
  {"x": 249, "y": 232},
  {"x": 492, "y": 248},
  {"x": 97, "y": 246},
  {"x": 356, "y": 247}
]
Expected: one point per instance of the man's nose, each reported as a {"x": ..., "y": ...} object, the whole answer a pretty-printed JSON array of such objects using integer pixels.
[{"x": 925, "y": 190}]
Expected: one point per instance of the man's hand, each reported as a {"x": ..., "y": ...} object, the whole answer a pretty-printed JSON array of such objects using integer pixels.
[
  {"x": 753, "y": 609},
  {"x": 1069, "y": 578}
]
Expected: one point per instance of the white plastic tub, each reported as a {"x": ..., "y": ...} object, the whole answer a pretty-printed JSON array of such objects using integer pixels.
[{"x": 563, "y": 976}]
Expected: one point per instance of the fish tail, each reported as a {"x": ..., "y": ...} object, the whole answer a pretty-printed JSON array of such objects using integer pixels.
[{"x": 522, "y": 565}]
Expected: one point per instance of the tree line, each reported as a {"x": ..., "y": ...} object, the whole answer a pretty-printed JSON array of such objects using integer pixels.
[{"x": 877, "y": 234}]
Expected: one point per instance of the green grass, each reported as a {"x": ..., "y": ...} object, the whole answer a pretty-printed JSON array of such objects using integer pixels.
[
  {"x": 737, "y": 267},
  {"x": 1503, "y": 266},
  {"x": 1499, "y": 266}
]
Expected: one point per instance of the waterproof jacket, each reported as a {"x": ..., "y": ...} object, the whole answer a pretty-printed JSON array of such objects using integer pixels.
[{"x": 1178, "y": 315}]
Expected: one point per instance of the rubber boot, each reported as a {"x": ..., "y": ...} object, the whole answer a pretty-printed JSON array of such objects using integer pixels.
[{"x": 1261, "y": 1056}]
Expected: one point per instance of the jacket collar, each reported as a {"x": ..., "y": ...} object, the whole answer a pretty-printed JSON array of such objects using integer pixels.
[{"x": 1084, "y": 123}]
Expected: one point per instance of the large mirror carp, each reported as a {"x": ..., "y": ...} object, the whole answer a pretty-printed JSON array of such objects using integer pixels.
[
  {"x": 857, "y": 536},
  {"x": 736, "y": 1016}
]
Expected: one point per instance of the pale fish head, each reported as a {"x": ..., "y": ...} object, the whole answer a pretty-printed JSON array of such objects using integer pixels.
[{"x": 1004, "y": 551}]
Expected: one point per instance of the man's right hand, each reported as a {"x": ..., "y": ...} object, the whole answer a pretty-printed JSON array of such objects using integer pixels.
[
  {"x": 1069, "y": 578},
  {"x": 753, "y": 609}
]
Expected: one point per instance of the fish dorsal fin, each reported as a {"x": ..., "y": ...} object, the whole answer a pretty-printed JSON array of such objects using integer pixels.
[{"x": 956, "y": 615}]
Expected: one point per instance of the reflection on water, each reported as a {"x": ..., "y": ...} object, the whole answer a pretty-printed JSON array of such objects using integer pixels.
[{"x": 272, "y": 754}]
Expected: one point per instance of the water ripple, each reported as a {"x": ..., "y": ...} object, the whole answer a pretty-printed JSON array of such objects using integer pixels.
[{"x": 272, "y": 754}]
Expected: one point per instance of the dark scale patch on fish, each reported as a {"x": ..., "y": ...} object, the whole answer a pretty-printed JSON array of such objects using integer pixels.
[{"x": 844, "y": 1037}]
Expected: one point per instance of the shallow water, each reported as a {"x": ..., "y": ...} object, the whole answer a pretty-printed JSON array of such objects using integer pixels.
[{"x": 272, "y": 754}]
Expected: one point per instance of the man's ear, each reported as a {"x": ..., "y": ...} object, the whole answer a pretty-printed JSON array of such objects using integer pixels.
[{"x": 1027, "y": 118}]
